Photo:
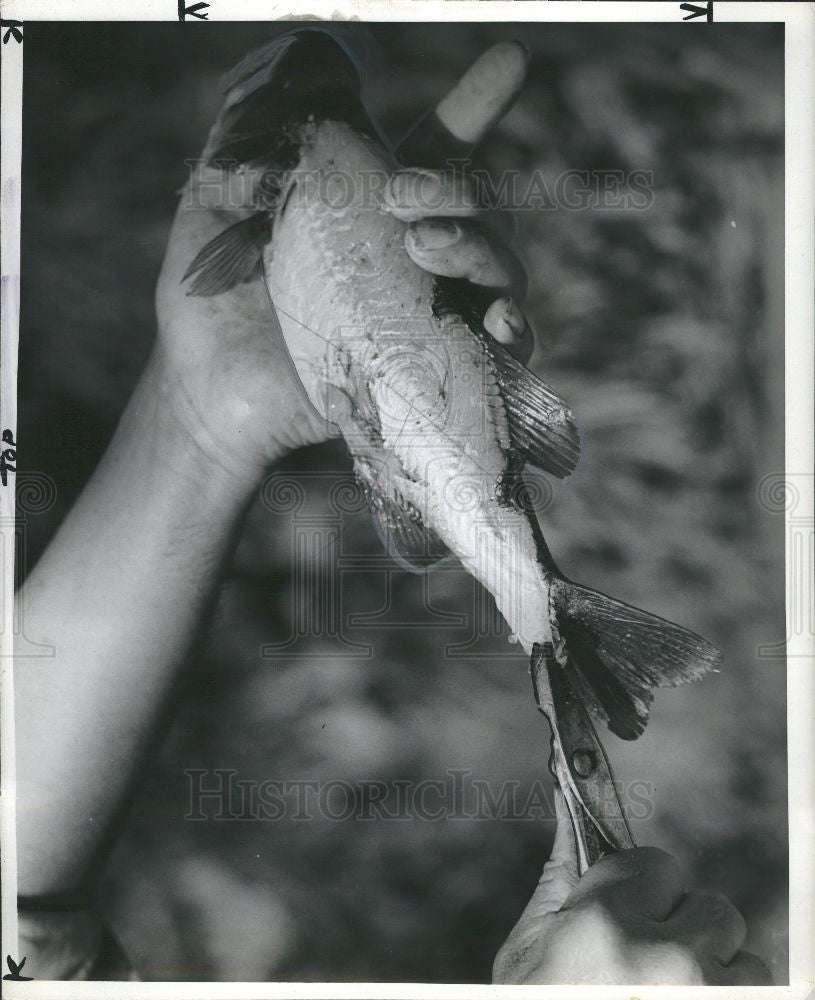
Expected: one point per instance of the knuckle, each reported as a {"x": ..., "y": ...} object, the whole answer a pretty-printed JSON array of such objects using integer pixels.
[
  {"x": 509, "y": 963},
  {"x": 532, "y": 952},
  {"x": 746, "y": 969},
  {"x": 461, "y": 193},
  {"x": 758, "y": 971},
  {"x": 500, "y": 963},
  {"x": 415, "y": 193},
  {"x": 656, "y": 857},
  {"x": 671, "y": 963},
  {"x": 720, "y": 911},
  {"x": 657, "y": 863},
  {"x": 594, "y": 917}
]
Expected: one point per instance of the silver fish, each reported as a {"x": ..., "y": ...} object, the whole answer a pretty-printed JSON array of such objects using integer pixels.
[{"x": 440, "y": 419}]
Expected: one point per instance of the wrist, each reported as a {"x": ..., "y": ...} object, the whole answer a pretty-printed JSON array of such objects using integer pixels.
[{"x": 209, "y": 433}]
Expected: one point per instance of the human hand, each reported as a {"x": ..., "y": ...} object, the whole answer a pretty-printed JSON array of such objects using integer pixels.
[
  {"x": 628, "y": 920},
  {"x": 226, "y": 369}
]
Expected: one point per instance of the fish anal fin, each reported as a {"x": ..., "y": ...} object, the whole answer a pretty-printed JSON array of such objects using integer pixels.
[
  {"x": 231, "y": 258},
  {"x": 604, "y": 695},
  {"x": 408, "y": 540}
]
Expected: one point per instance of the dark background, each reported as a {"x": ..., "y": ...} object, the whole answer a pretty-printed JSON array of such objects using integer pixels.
[{"x": 664, "y": 331}]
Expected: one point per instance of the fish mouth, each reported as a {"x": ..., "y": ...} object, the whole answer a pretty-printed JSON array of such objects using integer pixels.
[{"x": 303, "y": 76}]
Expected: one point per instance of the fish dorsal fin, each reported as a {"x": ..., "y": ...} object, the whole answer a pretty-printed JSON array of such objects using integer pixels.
[
  {"x": 231, "y": 258},
  {"x": 407, "y": 539},
  {"x": 541, "y": 424}
]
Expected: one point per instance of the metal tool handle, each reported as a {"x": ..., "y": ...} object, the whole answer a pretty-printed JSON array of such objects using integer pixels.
[{"x": 579, "y": 763}]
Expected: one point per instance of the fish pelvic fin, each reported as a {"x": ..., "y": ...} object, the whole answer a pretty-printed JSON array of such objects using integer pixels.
[
  {"x": 618, "y": 654},
  {"x": 232, "y": 257},
  {"x": 410, "y": 542}
]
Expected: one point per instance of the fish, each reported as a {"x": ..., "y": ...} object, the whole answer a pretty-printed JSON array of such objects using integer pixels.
[{"x": 439, "y": 418}]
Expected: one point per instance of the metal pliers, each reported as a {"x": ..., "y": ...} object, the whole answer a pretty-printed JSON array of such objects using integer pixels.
[{"x": 578, "y": 762}]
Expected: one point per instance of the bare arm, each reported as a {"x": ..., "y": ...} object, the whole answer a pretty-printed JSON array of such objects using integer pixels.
[
  {"x": 121, "y": 594},
  {"x": 123, "y": 590}
]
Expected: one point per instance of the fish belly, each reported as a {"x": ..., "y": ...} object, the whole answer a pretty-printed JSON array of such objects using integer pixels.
[
  {"x": 357, "y": 317},
  {"x": 496, "y": 545},
  {"x": 450, "y": 446}
]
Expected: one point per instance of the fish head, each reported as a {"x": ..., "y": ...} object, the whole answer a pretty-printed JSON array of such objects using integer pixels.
[{"x": 299, "y": 77}]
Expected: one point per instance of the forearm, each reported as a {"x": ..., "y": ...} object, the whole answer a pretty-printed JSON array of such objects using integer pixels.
[{"x": 121, "y": 594}]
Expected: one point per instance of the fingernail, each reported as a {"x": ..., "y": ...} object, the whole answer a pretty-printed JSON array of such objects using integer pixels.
[
  {"x": 496, "y": 320},
  {"x": 407, "y": 188},
  {"x": 522, "y": 45},
  {"x": 514, "y": 317},
  {"x": 435, "y": 235}
]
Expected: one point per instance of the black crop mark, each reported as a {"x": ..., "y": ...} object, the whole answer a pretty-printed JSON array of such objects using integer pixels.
[
  {"x": 14, "y": 29},
  {"x": 195, "y": 11},
  {"x": 697, "y": 11},
  {"x": 14, "y": 969}
]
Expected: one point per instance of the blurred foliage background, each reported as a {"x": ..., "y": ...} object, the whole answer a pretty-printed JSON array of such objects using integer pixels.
[{"x": 664, "y": 330}]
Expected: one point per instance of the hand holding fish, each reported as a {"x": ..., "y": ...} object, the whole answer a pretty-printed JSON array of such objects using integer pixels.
[
  {"x": 228, "y": 372},
  {"x": 218, "y": 400},
  {"x": 627, "y": 920},
  {"x": 222, "y": 379},
  {"x": 397, "y": 326}
]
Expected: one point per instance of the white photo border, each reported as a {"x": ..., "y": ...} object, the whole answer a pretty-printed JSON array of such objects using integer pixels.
[{"x": 799, "y": 20}]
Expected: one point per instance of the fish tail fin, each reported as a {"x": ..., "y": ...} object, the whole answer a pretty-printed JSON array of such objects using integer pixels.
[{"x": 618, "y": 654}]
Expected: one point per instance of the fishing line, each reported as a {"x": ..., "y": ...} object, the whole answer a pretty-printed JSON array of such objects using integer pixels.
[{"x": 456, "y": 448}]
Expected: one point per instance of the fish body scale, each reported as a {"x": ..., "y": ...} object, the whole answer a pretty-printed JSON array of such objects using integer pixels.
[
  {"x": 362, "y": 333},
  {"x": 439, "y": 418}
]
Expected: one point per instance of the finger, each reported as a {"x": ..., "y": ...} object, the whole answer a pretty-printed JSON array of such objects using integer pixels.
[
  {"x": 747, "y": 969},
  {"x": 460, "y": 250},
  {"x": 560, "y": 873},
  {"x": 559, "y": 877},
  {"x": 485, "y": 93},
  {"x": 416, "y": 194},
  {"x": 507, "y": 324},
  {"x": 643, "y": 882},
  {"x": 480, "y": 99},
  {"x": 709, "y": 923}
]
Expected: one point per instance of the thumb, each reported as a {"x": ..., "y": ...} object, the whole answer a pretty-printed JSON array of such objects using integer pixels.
[
  {"x": 559, "y": 877},
  {"x": 560, "y": 873},
  {"x": 476, "y": 103}
]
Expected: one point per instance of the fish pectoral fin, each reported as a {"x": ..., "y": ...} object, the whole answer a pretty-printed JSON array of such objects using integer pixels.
[
  {"x": 407, "y": 539},
  {"x": 541, "y": 425},
  {"x": 232, "y": 257},
  {"x": 621, "y": 653}
]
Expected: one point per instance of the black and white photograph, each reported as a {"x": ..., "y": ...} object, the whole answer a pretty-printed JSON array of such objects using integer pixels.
[{"x": 407, "y": 500}]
